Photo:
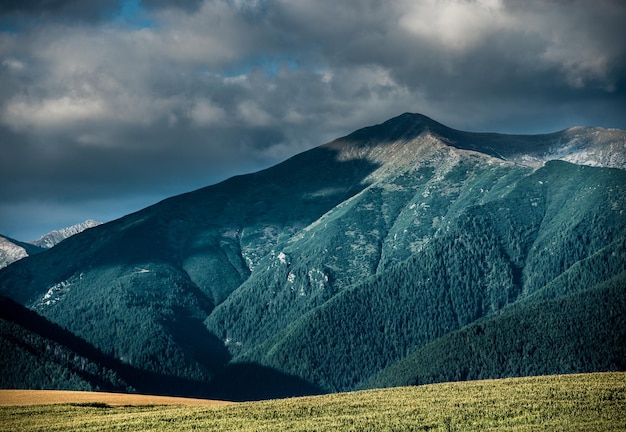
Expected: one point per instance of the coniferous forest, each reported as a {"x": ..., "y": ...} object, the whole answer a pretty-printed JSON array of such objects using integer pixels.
[{"x": 405, "y": 253}]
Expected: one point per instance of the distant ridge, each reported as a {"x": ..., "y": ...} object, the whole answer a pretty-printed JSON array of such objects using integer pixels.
[
  {"x": 12, "y": 250},
  {"x": 55, "y": 237}
]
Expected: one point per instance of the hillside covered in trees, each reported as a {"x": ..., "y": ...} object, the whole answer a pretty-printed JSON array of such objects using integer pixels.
[{"x": 403, "y": 253}]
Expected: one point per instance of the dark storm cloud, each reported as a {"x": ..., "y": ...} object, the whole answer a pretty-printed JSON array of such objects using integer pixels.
[
  {"x": 93, "y": 10},
  {"x": 542, "y": 54},
  {"x": 87, "y": 10},
  {"x": 186, "y": 5},
  {"x": 134, "y": 101}
]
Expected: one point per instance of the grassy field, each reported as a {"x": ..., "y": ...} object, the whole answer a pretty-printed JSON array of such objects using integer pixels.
[
  {"x": 46, "y": 397},
  {"x": 589, "y": 402}
]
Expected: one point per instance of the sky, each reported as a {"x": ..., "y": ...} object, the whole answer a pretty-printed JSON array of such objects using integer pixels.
[{"x": 109, "y": 106}]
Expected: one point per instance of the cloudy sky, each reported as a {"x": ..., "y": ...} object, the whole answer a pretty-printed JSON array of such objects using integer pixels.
[{"x": 109, "y": 106}]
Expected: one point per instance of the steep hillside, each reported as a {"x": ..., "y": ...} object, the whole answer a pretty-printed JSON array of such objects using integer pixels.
[
  {"x": 491, "y": 257},
  {"x": 39, "y": 354},
  {"x": 581, "y": 332},
  {"x": 328, "y": 268},
  {"x": 140, "y": 288}
]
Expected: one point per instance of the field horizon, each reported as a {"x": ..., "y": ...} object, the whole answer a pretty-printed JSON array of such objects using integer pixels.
[
  {"x": 586, "y": 402},
  {"x": 13, "y": 397}
]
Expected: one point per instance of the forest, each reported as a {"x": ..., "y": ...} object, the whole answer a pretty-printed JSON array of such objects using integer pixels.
[{"x": 395, "y": 255}]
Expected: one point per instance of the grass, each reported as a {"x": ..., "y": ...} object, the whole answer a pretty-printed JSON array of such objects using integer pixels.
[
  {"x": 587, "y": 402},
  {"x": 46, "y": 397}
]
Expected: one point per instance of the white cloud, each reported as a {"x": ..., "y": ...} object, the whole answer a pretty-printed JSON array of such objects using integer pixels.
[
  {"x": 206, "y": 113},
  {"x": 454, "y": 24},
  {"x": 56, "y": 113},
  {"x": 13, "y": 64},
  {"x": 253, "y": 114}
]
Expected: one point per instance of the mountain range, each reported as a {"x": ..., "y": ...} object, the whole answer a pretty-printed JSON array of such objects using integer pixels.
[
  {"x": 57, "y": 236},
  {"x": 404, "y": 253},
  {"x": 12, "y": 250}
]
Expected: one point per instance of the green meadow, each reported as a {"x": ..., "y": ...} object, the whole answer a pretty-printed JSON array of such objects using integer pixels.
[{"x": 585, "y": 402}]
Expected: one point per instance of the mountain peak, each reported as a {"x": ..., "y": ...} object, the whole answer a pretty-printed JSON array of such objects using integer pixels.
[
  {"x": 403, "y": 127},
  {"x": 55, "y": 237},
  {"x": 591, "y": 146}
]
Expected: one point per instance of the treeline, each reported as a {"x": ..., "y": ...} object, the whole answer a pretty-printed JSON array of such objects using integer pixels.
[
  {"x": 583, "y": 214},
  {"x": 372, "y": 234},
  {"x": 334, "y": 306}
]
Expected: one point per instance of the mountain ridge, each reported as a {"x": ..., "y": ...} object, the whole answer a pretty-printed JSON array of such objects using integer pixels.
[
  {"x": 530, "y": 150},
  {"x": 56, "y": 236},
  {"x": 395, "y": 235},
  {"x": 12, "y": 250}
]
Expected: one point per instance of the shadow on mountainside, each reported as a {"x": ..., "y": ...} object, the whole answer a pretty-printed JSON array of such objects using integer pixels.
[
  {"x": 250, "y": 382},
  {"x": 233, "y": 382}
]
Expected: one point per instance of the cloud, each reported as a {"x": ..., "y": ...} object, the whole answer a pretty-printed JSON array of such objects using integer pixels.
[
  {"x": 454, "y": 25},
  {"x": 51, "y": 113},
  {"x": 59, "y": 9},
  {"x": 206, "y": 113},
  {"x": 128, "y": 99}
]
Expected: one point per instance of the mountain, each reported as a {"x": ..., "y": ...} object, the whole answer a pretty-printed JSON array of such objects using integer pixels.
[
  {"x": 13, "y": 250},
  {"x": 381, "y": 249},
  {"x": 56, "y": 236}
]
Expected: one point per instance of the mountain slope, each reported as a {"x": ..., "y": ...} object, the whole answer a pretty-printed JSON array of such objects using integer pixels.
[
  {"x": 139, "y": 288},
  {"x": 343, "y": 260},
  {"x": 38, "y": 354},
  {"x": 482, "y": 262},
  {"x": 585, "y": 331}
]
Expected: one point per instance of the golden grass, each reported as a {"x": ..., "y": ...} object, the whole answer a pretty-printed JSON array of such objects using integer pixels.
[
  {"x": 585, "y": 402},
  {"x": 46, "y": 397}
]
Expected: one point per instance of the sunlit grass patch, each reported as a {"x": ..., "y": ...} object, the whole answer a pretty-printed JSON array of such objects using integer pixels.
[{"x": 588, "y": 402}]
